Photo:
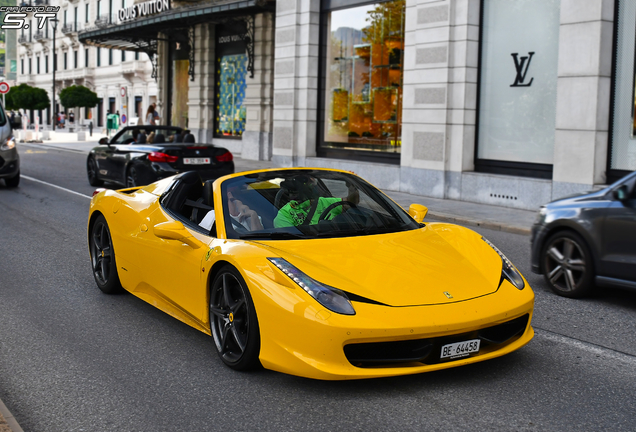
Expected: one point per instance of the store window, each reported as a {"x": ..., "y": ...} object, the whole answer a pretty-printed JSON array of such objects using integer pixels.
[
  {"x": 180, "y": 80},
  {"x": 363, "y": 75},
  {"x": 231, "y": 68},
  {"x": 622, "y": 151},
  {"x": 518, "y": 80}
]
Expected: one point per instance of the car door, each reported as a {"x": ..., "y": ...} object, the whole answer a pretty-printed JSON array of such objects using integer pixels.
[{"x": 619, "y": 234}]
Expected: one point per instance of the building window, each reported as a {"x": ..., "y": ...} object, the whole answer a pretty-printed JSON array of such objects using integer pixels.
[
  {"x": 86, "y": 13},
  {"x": 65, "y": 61},
  {"x": 37, "y": 64},
  {"x": 136, "y": 55},
  {"x": 231, "y": 64},
  {"x": 518, "y": 83},
  {"x": 65, "y": 14},
  {"x": 123, "y": 56},
  {"x": 99, "y": 8},
  {"x": 86, "y": 57},
  {"x": 46, "y": 64},
  {"x": 622, "y": 148},
  {"x": 22, "y": 66},
  {"x": 362, "y": 99},
  {"x": 75, "y": 19},
  {"x": 30, "y": 70},
  {"x": 75, "y": 59},
  {"x": 99, "y": 57},
  {"x": 110, "y": 56}
]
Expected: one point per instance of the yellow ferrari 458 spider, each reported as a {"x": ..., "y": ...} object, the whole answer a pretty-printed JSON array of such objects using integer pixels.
[{"x": 311, "y": 272}]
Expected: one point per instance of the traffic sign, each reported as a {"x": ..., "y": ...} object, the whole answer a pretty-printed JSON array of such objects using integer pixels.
[
  {"x": 123, "y": 92},
  {"x": 123, "y": 118},
  {"x": 4, "y": 87}
]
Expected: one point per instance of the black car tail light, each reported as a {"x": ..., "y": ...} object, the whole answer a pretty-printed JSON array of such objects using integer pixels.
[
  {"x": 225, "y": 157},
  {"x": 161, "y": 157}
]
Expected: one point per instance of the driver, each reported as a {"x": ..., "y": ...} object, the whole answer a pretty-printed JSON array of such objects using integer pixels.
[{"x": 306, "y": 205}]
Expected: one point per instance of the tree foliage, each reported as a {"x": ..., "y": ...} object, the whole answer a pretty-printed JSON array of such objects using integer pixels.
[
  {"x": 26, "y": 97},
  {"x": 78, "y": 96}
]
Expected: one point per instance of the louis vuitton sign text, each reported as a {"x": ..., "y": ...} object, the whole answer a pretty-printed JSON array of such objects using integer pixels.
[{"x": 140, "y": 10}]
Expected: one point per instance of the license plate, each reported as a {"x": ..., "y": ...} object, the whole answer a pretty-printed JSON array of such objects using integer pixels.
[
  {"x": 460, "y": 349},
  {"x": 196, "y": 161}
]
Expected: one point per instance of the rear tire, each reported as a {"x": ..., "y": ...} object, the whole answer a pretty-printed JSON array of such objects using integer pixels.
[
  {"x": 13, "y": 182},
  {"x": 103, "y": 258},
  {"x": 567, "y": 265},
  {"x": 91, "y": 172},
  {"x": 233, "y": 321}
]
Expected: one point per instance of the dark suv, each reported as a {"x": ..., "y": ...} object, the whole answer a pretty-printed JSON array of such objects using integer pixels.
[{"x": 588, "y": 239}]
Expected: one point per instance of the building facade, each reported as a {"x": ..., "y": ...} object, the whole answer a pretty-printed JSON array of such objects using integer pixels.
[
  {"x": 490, "y": 101},
  {"x": 121, "y": 79}
]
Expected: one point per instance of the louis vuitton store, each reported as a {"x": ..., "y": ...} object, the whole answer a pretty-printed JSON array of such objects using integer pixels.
[{"x": 490, "y": 101}]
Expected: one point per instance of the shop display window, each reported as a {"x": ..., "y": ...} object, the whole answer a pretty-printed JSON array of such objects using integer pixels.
[
  {"x": 231, "y": 72},
  {"x": 363, "y": 77}
]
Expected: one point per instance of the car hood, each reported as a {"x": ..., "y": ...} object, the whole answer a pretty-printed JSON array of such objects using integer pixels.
[{"x": 437, "y": 264}]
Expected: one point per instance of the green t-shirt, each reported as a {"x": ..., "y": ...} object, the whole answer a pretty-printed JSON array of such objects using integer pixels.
[{"x": 294, "y": 213}]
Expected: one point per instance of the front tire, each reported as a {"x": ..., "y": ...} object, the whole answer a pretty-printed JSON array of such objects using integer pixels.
[
  {"x": 567, "y": 265},
  {"x": 13, "y": 182},
  {"x": 103, "y": 258},
  {"x": 233, "y": 321},
  {"x": 91, "y": 172}
]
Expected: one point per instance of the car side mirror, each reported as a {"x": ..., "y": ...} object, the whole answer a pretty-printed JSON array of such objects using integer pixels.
[
  {"x": 418, "y": 212},
  {"x": 103, "y": 141},
  {"x": 175, "y": 231},
  {"x": 621, "y": 193}
]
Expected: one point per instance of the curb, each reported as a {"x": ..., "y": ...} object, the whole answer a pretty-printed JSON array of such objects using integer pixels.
[
  {"x": 497, "y": 226},
  {"x": 8, "y": 418}
]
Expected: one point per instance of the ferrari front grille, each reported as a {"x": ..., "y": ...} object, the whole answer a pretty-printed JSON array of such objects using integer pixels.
[{"x": 427, "y": 351}]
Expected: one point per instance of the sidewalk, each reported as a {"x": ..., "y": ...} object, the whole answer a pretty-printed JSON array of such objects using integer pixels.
[{"x": 446, "y": 210}]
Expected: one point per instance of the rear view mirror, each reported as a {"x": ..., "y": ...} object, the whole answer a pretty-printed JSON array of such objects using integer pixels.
[
  {"x": 418, "y": 212},
  {"x": 103, "y": 141},
  {"x": 621, "y": 193}
]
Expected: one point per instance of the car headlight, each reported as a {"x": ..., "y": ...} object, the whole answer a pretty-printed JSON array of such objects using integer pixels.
[
  {"x": 9, "y": 144},
  {"x": 331, "y": 298},
  {"x": 508, "y": 270}
]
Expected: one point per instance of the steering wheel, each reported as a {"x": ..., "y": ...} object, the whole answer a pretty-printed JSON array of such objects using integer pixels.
[{"x": 332, "y": 206}]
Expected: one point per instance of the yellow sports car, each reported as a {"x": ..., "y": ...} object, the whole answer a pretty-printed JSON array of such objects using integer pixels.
[{"x": 311, "y": 272}]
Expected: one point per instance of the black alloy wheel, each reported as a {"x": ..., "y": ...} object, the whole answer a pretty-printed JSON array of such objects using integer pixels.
[
  {"x": 233, "y": 320},
  {"x": 132, "y": 177},
  {"x": 103, "y": 258},
  {"x": 91, "y": 172},
  {"x": 567, "y": 265}
]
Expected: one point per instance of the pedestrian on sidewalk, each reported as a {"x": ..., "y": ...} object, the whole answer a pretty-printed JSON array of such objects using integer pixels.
[{"x": 150, "y": 117}]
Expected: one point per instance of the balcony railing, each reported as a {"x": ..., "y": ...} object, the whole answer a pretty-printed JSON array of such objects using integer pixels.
[
  {"x": 24, "y": 39},
  {"x": 71, "y": 28},
  {"x": 40, "y": 36},
  {"x": 105, "y": 20}
]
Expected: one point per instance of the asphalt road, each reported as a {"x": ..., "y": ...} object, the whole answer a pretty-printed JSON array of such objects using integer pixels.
[{"x": 74, "y": 359}]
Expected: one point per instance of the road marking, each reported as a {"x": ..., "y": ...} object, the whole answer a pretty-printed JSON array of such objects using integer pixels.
[
  {"x": 36, "y": 151},
  {"x": 587, "y": 346},
  {"x": 55, "y": 186},
  {"x": 53, "y": 147}
]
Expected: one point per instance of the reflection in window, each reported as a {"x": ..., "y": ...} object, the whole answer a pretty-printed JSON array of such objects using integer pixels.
[
  {"x": 363, "y": 97},
  {"x": 231, "y": 112}
]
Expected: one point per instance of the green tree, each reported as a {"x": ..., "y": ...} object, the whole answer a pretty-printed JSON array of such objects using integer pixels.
[
  {"x": 78, "y": 96},
  {"x": 26, "y": 97}
]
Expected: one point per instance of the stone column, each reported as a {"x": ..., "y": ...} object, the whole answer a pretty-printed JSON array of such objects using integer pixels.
[
  {"x": 163, "y": 63},
  {"x": 439, "y": 102},
  {"x": 295, "y": 80},
  {"x": 201, "y": 90},
  {"x": 583, "y": 95},
  {"x": 257, "y": 138}
]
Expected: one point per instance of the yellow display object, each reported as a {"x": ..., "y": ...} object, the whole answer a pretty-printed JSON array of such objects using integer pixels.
[
  {"x": 437, "y": 287},
  {"x": 340, "y": 105}
]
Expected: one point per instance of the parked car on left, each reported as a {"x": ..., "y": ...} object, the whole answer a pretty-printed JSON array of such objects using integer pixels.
[
  {"x": 130, "y": 159},
  {"x": 9, "y": 157}
]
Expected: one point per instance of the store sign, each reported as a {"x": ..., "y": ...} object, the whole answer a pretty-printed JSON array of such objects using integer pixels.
[
  {"x": 521, "y": 73},
  {"x": 141, "y": 10}
]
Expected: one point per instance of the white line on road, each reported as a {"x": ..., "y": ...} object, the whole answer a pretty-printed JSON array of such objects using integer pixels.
[
  {"x": 55, "y": 186},
  {"x": 54, "y": 147},
  {"x": 587, "y": 346}
]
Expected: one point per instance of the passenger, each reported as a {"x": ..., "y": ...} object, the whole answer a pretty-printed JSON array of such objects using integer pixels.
[
  {"x": 151, "y": 138},
  {"x": 306, "y": 204},
  {"x": 242, "y": 216}
]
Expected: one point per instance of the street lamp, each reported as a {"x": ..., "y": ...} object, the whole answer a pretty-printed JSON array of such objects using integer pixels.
[{"x": 53, "y": 22}]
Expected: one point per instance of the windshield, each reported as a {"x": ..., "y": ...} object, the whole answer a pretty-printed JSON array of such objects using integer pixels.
[
  {"x": 292, "y": 204},
  {"x": 131, "y": 136}
]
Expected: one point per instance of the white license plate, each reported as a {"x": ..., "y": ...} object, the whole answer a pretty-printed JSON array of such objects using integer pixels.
[
  {"x": 460, "y": 349},
  {"x": 196, "y": 161}
]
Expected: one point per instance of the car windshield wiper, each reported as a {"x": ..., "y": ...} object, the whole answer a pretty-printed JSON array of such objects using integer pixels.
[{"x": 272, "y": 236}]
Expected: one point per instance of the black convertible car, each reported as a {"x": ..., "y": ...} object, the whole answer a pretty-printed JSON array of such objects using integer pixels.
[{"x": 139, "y": 155}]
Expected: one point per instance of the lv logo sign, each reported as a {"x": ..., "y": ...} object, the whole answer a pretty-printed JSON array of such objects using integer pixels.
[{"x": 520, "y": 63}]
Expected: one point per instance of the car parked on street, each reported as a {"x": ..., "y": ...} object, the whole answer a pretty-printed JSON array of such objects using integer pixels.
[
  {"x": 588, "y": 239},
  {"x": 9, "y": 157},
  {"x": 130, "y": 159}
]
